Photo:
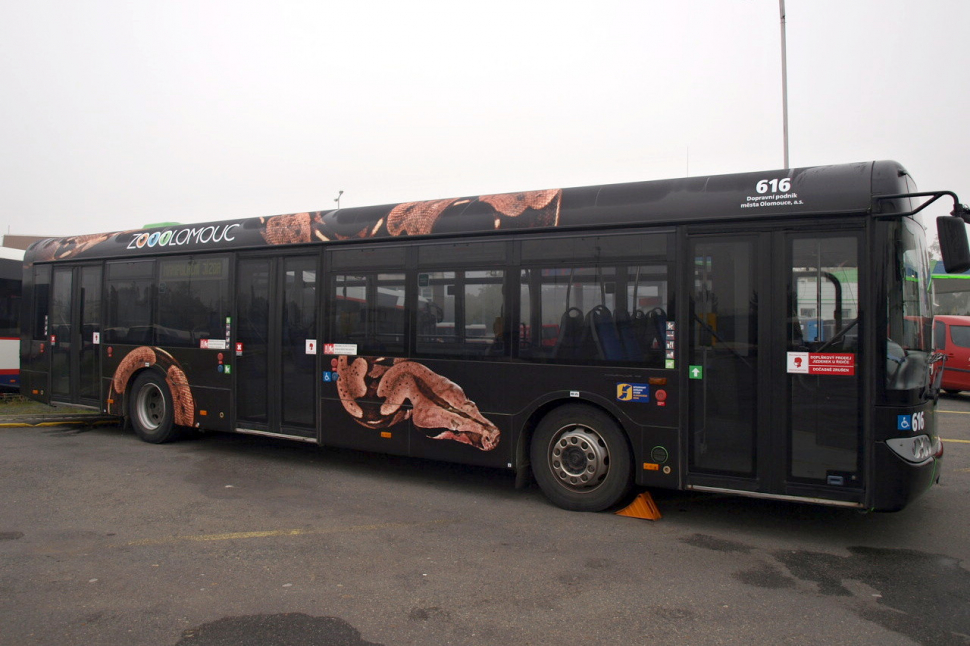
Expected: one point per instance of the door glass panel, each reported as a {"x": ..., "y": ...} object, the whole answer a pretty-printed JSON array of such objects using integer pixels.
[
  {"x": 723, "y": 356},
  {"x": 60, "y": 329},
  {"x": 823, "y": 341},
  {"x": 299, "y": 326},
  {"x": 90, "y": 301},
  {"x": 252, "y": 368}
]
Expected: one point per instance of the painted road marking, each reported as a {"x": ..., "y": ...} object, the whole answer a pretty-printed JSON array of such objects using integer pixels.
[
  {"x": 960, "y": 441},
  {"x": 955, "y": 412},
  {"x": 281, "y": 532}
]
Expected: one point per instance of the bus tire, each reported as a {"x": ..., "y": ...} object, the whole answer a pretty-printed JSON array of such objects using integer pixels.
[
  {"x": 581, "y": 459},
  {"x": 150, "y": 408}
]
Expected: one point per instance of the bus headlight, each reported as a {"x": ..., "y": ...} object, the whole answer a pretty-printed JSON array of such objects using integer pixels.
[{"x": 915, "y": 449}]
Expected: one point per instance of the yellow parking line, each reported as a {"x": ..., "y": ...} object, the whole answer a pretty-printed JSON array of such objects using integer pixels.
[
  {"x": 955, "y": 412},
  {"x": 280, "y": 532},
  {"x": 960, "y": 441}
]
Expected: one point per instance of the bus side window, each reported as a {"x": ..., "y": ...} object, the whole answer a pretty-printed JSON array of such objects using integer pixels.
[
  {"x": 469, "y": 313},
  {"x": 461, "y": 300},
  {"x": 130, "y": 302},
  {"x": 193, "y": 300},
  {"x": 615, "y": 314},
  {"x": 368, "y": 310}
]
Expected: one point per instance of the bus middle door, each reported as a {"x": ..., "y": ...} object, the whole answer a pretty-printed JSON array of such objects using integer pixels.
[{"x": 276, "y": 345}]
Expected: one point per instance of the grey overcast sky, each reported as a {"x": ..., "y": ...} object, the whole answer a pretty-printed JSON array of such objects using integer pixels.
[{"x": 119, "y": 113}]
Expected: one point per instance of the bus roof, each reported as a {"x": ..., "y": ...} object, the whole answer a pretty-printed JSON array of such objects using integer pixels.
[
  {"x": 8, "y": 253},
  {"x": 813, "y": 191}
]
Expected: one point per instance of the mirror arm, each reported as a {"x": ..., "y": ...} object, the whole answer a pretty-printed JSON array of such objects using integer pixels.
[{"x": 959, "y": 210}]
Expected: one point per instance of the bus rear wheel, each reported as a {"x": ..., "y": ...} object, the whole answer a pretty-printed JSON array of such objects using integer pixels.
[
  {"x": 151, "y": 410},
  {"x": 581, "y": 459}
]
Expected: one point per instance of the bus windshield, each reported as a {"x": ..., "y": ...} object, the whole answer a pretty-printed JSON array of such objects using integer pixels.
[{"x": 908, "y": 309}]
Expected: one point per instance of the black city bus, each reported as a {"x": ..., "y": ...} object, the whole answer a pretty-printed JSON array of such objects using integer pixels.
[{"x": 765, "y": 334}]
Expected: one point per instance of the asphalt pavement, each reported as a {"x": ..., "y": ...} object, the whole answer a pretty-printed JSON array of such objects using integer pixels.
[{"x": 229, "y": 539}]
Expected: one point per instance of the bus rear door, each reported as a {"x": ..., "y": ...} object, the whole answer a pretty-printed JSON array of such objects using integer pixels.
[{"x": 74, "y": 335}]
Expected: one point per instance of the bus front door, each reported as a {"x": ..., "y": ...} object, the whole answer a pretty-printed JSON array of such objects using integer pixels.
[
  {"x": 275, "y": 345},
  {"x": 774, "y": 372}
]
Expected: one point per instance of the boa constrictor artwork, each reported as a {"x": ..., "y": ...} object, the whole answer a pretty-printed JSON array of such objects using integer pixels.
[{"x": 437, "y": 403}]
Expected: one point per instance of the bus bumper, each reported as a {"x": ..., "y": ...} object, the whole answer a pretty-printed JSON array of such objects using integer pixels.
[{"x": 904, "y": 469}]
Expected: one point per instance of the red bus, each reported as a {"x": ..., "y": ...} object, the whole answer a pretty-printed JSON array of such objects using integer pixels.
[{"x": 11, "y": 270}]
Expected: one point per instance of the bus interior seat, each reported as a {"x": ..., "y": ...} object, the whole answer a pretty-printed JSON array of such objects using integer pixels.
[
  {"x": 624, "y": 328},
  {"x": 571, "y": 334},
  {"x": 650, "y": 328},
  {"x": 608, "y": 344}
]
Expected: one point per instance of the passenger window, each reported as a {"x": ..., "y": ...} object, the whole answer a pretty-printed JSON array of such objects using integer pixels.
[
  {"x": 616, "y": 313},
  {"x": 130, "y": 287},
  {"x": 193, "y": 301},
  {"x": 368, "y": 310},
  {"x": 462, "y": 313}
]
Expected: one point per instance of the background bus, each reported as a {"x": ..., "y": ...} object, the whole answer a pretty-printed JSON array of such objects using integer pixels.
[
  {"x": 765, "y": 334},
  {"x": 11, "y": 271}
]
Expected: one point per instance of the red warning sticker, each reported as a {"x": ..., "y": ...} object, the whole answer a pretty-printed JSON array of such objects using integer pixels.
[{"x": 821, "y": 363}]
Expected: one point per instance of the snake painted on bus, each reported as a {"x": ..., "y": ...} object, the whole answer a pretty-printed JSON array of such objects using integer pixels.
[{"x": 373, "y": 390}]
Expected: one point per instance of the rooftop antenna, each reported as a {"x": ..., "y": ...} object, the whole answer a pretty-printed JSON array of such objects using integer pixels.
[{"x": 784, "y": 80}]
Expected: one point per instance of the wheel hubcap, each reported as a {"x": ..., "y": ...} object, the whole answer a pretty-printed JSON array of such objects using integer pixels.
[
  {"x": 150, "y": 407},
  {"x": 579, "y": 458}
]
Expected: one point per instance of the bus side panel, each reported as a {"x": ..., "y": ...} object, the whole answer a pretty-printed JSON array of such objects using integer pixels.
[
  {"x": 660, "y": 453},
  {"x": 35, "y": 371},
  {"x": 463, "y": 411},
  {"x": 212, "y": 407},
  {"x": 357, "y": 426},
  {"x": 34, "y": 376},
  {"x": 200, "y": 381}
]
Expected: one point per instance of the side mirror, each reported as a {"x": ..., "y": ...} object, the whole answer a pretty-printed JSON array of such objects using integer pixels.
[{"x": 953, "y": 243}]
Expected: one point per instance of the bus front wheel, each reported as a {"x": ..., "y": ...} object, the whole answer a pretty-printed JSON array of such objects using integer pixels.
[
  {"x": 151, "y": 410},
  {"x": 581, "y": 459}
]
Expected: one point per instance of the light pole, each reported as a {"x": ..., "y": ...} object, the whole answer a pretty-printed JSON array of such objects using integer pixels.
[
  {"x": 784, "y": 80},
  {"x": 337, "y": 199}
]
